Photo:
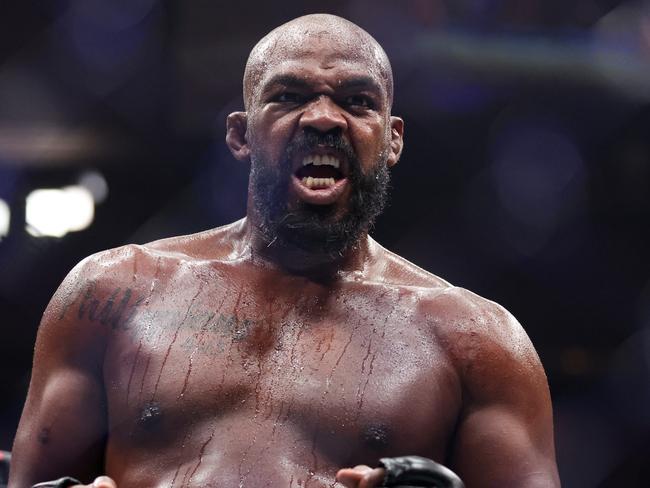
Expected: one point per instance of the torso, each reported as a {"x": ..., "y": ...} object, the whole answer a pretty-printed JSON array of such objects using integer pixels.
[{"x": 222, "y": 372}]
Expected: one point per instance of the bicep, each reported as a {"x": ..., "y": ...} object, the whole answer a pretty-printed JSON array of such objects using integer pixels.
[
  {"x": 497, "y": 445},
  {"x": 504, "y": 435},
  {"x": 63, "y": 425},
  {"x": 62, "y": 428}
]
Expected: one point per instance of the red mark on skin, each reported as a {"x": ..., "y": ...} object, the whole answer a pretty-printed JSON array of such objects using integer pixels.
[
  {"x": 363, "y": 364},
  {"x": 187, "y": 471},
  {"x": 175, "y": 476},
  {"x": 171, "y": 344},
  {"x": 144, "y": 375},
  {"x": 201, "y": 454},
  {"x": 200, "y": 341},
  {"x": 361, "y": 391},
  {"x": 329, "y": 344},
  {"x": 135, "y": 363},
  {"x": 187, "y": 379},
  {"x": 345, "y": 348}
]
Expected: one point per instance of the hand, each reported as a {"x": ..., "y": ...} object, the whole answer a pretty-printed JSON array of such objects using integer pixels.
[
  {"x": 101, "y": 482},
  {"x": 360, "y": 477}
]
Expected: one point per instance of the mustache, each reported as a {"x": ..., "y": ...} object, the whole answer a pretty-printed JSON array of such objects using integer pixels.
[{"x": 310, "y": 139}]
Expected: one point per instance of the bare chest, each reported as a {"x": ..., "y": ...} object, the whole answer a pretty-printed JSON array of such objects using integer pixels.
[{"x": 325, "y": 372}]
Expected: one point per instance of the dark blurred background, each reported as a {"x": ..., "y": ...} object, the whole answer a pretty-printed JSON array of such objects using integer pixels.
[{"x": 526, "y": 173}]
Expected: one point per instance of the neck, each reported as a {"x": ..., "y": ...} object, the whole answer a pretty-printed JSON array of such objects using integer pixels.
[{"x": 315, "y": 264}]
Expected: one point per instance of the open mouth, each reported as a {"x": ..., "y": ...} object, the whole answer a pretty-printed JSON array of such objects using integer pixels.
[
  {"x": 320, "y": 178},
  {"x": 319, "y": 171}
]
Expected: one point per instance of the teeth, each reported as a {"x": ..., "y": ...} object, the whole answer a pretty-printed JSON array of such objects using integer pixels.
[
  {"x": 331, "y": 161},
  {"x": 318, "y": 160},
  {"x": 310, "y": 182}
]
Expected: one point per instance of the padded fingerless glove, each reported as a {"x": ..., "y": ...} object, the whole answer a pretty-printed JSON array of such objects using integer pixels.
[
  {"x": 64, "y": 482},
  {"x": 416, "y": 471}
]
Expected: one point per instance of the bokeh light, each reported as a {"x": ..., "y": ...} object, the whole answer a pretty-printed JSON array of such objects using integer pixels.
[
  {"x": 55, "y": 212},
  {"x": 5, "y": 218},
  {"x": 96, "y": 184}
]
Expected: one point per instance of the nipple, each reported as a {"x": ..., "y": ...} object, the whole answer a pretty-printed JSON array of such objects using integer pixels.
[
  {"x": 376, "y": 436},
  {"x": 151, "y": 415}
]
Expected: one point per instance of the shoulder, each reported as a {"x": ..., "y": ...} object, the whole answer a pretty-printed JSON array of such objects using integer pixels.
[
  {"x": 104, "y": 277},
  {"x": 474, "y": 332},
  {"x": 127, "y": 274},
  {"x": 489, "y": 348},
  {"x": 135, "y": 265},
  {"x": 460, "y": 313},
  {"x": 99, "y": 296},
  {"x": 452, "y": 311},
  {"x": 111, "y": 267}
]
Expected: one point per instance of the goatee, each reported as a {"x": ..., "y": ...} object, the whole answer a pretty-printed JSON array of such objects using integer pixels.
[{"x": 317, "y": 228}]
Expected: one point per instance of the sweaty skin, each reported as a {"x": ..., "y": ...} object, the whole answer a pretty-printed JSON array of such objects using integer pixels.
[{"x": 221, "y": 359}]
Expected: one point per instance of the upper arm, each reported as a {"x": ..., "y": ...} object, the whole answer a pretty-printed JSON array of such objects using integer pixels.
[
  {"x": 505, "y": 432},
  {"x": 498, "y": 446},
  {"x": 63, "y": 425}
]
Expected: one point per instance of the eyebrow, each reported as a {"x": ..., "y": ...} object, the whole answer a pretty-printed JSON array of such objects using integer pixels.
[{"x": 290, "y": 80}]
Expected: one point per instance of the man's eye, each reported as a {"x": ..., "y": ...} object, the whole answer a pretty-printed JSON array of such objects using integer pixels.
[
  {"x": 359, "y": 101},
  {"x": 289, "y": 97}
]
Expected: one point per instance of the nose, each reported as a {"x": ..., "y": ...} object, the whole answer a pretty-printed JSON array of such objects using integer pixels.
[{"x": 323, "y": 115}]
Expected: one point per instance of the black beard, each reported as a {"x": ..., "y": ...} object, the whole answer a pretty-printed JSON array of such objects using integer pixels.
[{"x": 317, "y": 228}]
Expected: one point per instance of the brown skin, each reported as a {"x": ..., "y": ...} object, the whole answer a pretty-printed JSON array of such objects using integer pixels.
[{"x": 219, "y": 359}]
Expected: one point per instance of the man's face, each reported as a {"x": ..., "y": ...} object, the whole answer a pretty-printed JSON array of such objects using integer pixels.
[{"x": 319, "y": 134}]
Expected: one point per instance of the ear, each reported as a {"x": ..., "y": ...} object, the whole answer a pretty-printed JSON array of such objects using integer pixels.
[
  {"x": 396, "y": 140},
  {"x": 236, "y": 125}
]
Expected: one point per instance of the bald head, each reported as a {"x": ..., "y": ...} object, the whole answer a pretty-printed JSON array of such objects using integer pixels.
[{"x": 323, "y": 33}]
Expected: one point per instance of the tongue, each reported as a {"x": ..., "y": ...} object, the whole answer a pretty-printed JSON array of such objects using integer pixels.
[{"x": 318, "y": 172}]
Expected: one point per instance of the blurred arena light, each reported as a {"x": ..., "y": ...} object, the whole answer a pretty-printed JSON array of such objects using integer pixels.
[
  {"x": 47, "y": 144},
  {"x": 599, "y": 58},
  {"x": 55, "y": 212},
  {"x": 624, "y": 51},
  {"x": 95, "y": 183},
  {"x": 5, "y": 218}
]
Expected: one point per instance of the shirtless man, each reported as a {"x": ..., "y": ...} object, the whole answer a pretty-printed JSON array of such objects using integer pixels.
[{"x": 289, "y": 345}]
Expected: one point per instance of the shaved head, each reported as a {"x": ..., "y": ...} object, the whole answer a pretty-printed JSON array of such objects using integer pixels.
[
  {"x": 318, "y": 133},
  {"x": 345, "y": 39}
]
